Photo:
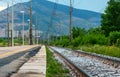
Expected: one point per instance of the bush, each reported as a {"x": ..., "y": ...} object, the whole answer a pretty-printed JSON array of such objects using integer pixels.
[
  {"x": 1, "y": 40},
  {"x": 114, "y": 38},
  {"x": 78, "y": 32},
  {"x": 93, "y": 36},
  {"x": 90, "y": 39},
  {"x": 4, "y": 43},
  {"x": 77, "y": 41},
  {"x": 64, "y": 42},
  {"x": 83, "y": 37}
]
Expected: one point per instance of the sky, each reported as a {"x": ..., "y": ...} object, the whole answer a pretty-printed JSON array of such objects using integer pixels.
[{"x": 92, "y": 5}]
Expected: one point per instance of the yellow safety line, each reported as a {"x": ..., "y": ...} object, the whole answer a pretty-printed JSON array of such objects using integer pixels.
[{"x": 15, "y": 51}]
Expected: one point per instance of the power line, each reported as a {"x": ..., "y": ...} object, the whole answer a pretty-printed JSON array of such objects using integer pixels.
[
  {"x": 51, "y": 20},
  {"x": 54, "y": 16}
]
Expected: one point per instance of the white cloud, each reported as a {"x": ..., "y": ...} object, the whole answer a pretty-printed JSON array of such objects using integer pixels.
[{"x": 3, "y": 3}]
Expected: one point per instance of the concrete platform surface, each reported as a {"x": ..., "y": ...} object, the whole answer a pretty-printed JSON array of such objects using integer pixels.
[
  {"x": 28, "y": 75},
  {"x": 7, "y": 51},
  {"x": 35, "y": 67}
]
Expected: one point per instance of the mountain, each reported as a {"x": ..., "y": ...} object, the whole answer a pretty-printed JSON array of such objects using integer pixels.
[{"x": 51, "y": 16}]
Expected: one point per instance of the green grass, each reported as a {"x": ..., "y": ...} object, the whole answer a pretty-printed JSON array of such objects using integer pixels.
[
  {"x": 105, "y": 50},
  {"x": 17, "y": 42},
  {"x": 55, "y": 68},
  {"x": 3, "y": 42}
]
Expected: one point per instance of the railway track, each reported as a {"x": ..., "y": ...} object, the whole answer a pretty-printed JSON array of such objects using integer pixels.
[
  {"x": 112, "y": 61},
  {"x": 90, "y": 65},
  {"x": 76, "y": 71}
]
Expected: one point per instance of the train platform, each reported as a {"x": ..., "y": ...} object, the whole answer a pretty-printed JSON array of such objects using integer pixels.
[
  {"x": 7, "y": 51},
  {"x": 35, "y": 66}
]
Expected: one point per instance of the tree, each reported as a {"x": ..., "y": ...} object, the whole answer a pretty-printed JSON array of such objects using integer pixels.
[
  {"x": 111, "y": 18},
  {"x": 97, "y": 30},
  {"x": 78, "y": 32},
  {"x": 114, "y": 38}
]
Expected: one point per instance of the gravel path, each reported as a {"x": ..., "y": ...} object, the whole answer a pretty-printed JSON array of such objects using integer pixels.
[{"x": 94, "y": 67}]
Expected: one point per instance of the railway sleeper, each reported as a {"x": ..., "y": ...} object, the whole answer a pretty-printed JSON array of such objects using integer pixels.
[
  {"x": 104, "y": 60},
  {"x": 75, "y": 71}
]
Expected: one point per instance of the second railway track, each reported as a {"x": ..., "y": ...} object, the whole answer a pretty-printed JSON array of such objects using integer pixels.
[
  {"x": 112, "y": 61},
  {"x": 90, "y": 65},
  {"x": 76, "y": 71}
]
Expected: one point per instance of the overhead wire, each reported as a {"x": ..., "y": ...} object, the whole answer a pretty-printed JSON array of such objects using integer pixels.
[{"x": 51, "y": 24}]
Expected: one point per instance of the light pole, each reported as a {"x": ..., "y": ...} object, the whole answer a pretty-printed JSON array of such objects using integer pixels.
[
  {"x": 34, "y": 33},
  {"x": 12, "y": 23},
  {"x": 29, "y": 30},
  {"x": 37, "y": 37},
  {"x": 22, "y": 27}
]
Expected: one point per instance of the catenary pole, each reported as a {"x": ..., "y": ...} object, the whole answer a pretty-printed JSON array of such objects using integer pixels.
[
  {"x": 70, "y": 37},
  {"x": 22, "y": 27},
  {"x": 30, "y": 34},
  {"x": 12, "y": 23},
  {"x": 8, "y": 23}
]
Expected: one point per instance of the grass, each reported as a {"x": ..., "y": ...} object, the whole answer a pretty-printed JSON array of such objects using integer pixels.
[
  {"x": 3, "y": 42},
  {"x": 105, "y": 50},
  {"x": 55, "y": 68},
  {"x": 17, "y": 42}
]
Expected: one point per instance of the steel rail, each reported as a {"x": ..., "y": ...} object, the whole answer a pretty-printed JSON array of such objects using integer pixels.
[{"x": 79, "y": 72}]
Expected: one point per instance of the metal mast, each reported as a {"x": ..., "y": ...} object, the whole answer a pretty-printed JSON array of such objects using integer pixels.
[
  {"x": 8, "y": 23},
  {"x": 70, "y": 37},
  {"x": 22, "y": 12},
  {"x": 30, "y": 34},
  {"x": 36, "y": 30},
  {"x": 12, "y": 24}
]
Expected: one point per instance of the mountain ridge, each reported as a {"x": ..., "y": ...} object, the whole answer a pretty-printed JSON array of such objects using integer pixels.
[{"x": 43, "y": 10}]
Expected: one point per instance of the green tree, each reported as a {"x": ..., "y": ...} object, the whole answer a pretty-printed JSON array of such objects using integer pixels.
[
  {"x": 114, "y": 38},
  {"x": 78, "y": 32},
  {"x": 111, "y": 17},
  {"x": 95, "y": 31}
]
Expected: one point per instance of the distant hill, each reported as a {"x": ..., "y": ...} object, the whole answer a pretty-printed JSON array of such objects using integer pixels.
[{"x": 43, "y": 10}]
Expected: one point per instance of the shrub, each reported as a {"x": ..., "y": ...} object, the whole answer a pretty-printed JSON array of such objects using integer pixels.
[
  {"x": 77, "y": 41},
  {"x": 114, "y": 38},
  {"x": 94, "y": 39},
  {"x": 64, "y": 42},
  {"x": 78, "y": 32},
  {"x": 90, "y": 39}
]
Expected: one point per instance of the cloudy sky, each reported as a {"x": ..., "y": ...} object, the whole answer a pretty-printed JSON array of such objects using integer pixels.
[{"x": 93, "y": 5}]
